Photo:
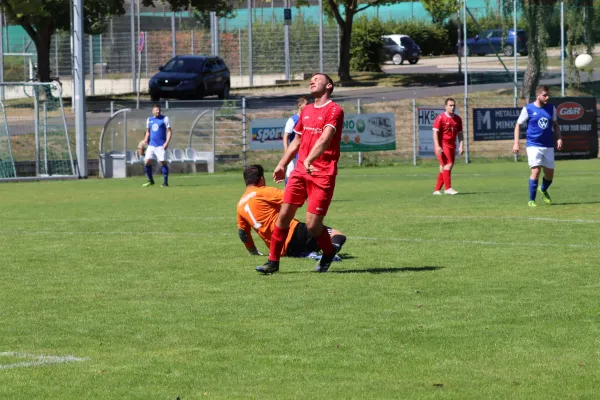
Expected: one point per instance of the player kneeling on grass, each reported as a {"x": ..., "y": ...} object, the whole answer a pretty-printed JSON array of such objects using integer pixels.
[
  {"x": 258, "y": 209},
  {"x": 542, "y": 132},
  {"x": 158, "y": 136}
]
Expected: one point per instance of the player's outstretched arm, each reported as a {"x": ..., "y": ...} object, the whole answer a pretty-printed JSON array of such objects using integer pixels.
[
  {"x": 557, "y": 135},
  {"x": 246, "y": 238}
]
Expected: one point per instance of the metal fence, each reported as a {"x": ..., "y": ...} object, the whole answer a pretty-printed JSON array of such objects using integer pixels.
[{"x": 111, "y": 59}]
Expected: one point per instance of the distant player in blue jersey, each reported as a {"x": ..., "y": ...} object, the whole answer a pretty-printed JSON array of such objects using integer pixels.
[
  {"x": 288, "y": 133},
  {"x": 158, "y": 136},
  {"x": 542, "y": 134}
]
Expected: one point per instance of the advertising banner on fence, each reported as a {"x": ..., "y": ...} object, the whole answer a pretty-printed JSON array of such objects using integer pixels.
[
  {"x": 267, "y": 134},
  {"x": 369, "y": 132},
  {"x": 362, "y": 132},
  {"x": 576, "y": 119},
  {"x": 495, "y": 123},
  {"x": 578, "y": 125},
  {"x": 425, "y": 118}
]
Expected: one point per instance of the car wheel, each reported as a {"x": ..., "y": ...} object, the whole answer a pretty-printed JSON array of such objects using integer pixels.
[
  {"x": 397, "y": 59},
  {"x": 225, "y": 92},
  {"x": 413, "y": 61},
  {"x": 523, "y": 53},
  {"x": 508, "y": 50},
  {"x": 481, "y": 54},
  {"x": 154, "y": 97}
]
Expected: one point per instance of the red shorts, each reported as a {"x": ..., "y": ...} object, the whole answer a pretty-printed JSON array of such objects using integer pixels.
[
  {"x": 448, "y": 155},
  {"x": 318, "y": 190}
]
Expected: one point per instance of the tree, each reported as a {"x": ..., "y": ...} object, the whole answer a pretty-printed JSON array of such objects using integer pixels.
[
  {"x": 42, "y": 18},
  {"x": 344, "y": 18},
  {"x": 439, "y": 10}
]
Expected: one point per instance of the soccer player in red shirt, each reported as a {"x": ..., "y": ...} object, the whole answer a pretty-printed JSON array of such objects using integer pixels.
[
  {"x": 317, "y": 142},
  {"x": 446, "y": 128}
]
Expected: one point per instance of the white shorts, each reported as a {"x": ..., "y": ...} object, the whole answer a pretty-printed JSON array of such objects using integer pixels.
[
  {"x": 291, "y": 167},
  {"x": 155, "y": 153},
  {"x": 540, "y": 157}
]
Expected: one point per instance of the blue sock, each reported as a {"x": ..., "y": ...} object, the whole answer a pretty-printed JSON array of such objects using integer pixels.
[
  {"x": 533, "y": 185},
  {"x": 148, "y": 169},
  {"x": 545, "y": 184},
  {"x": 165, "y": 172}
]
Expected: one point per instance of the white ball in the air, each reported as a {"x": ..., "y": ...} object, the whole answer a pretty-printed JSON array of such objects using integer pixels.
[{"x": 583, "y": 61}]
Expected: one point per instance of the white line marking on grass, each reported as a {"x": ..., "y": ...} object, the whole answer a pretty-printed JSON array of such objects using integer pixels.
[
  {"x": 111, "y": 233},
  {"x": 37, "y": 360},
  {"x": 557, "y": 220},
  {"x": 123, "y": 219},
  {"x": 477, "y": 242}
]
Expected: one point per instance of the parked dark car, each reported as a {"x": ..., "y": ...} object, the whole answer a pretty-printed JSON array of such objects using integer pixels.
[
  {"x": 190, "y": 78},
  {"x": 398, "y": 48},
  {"x": 480, "y": 46}
]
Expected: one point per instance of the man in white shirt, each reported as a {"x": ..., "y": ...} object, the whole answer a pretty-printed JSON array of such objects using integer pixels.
[{"x": 288, "y": 133}]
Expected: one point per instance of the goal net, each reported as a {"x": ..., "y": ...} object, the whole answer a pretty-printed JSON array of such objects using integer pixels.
[{"x": 34, "y": 135}]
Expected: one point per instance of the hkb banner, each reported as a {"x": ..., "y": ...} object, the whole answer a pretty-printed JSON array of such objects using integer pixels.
[
  {"x": 426, "y": 116},
  {"x": 361, "y": 132}
]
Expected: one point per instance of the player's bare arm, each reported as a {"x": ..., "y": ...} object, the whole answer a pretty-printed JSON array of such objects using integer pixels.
[
  {"x": 246, "y": 238},
  {"x": 557, "y": 135},
  {"x": 461, "y": 142},
  {"x": 147, "y": 137},
  {"x": 290, "y": 153},
  {"x": 319, "y": 148},
  {"x": 169, "y": 134},
  {"x": 436, "y": 142},
  {"x": 517, "y": 135},
  {"x": 285, "y": 141}
]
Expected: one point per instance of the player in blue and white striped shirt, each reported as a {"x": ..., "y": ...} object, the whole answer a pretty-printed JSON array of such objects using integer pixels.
[
  {"x": 542, "y": 133},
  {"x": 158, "y": 136}
]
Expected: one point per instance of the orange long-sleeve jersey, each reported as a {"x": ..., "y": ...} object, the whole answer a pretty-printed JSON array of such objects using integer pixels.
[{"x": 258, "y": 209}]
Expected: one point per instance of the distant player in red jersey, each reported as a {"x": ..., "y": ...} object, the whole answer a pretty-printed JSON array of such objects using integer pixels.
[
  {"x": 318, "y": 137},
  {"x": 446, "y": 128}
]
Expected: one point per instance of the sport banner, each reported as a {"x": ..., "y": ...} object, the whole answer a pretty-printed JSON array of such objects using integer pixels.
[
  {"x": 361, "y": 132},
  {"x": 425, "y": 118}
]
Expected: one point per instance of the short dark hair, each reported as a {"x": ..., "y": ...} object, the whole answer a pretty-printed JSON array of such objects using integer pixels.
[
  {"x": 156, "y": 105},
  {"x": 253, "y": 173},
  {"x": 541, "y": 88},
  {"x": 329, "y": 80},
  {"x": 449, "y": 99},
  {"x": 302, "y": 99}
]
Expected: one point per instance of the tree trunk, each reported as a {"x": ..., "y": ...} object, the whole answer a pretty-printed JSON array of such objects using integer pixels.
[
  {"x": 534, "y": 61},
  {"x": 43, "y": 56},
  {"x": 345, "y": 39}
]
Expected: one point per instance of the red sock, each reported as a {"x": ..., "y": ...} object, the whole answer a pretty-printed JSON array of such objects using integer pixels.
[
  {"x": 277, "y": 241},
  {"x": 447, "y": 179},
  {"x": 440, "y": 181},
  {"x": 324, "y": 242}
]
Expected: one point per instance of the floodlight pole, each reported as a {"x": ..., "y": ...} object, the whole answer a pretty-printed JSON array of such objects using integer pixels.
[
  {"x": 321, "y": 66},
  {"x": 79, "y": 89},
  {"x": 515, "y": 50},
  {"x": 466, "y": 99},
  {"x": 562, "y": 48}
]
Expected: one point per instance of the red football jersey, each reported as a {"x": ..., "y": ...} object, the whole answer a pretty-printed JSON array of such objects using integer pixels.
[
  {"x": 311, "y": 124},
  {"x": 449, "y": 127}
]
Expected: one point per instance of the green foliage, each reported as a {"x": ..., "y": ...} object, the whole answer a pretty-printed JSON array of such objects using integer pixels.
[
  {"x": 366, "y": 46},
  {"x": 440, "y": 10}
]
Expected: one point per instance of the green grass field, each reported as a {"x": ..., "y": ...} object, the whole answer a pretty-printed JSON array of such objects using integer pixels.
[{"x": 456, "y": 297}]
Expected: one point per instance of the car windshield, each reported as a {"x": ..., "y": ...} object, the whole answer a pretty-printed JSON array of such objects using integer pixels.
[{"x": 182, "y": 65}]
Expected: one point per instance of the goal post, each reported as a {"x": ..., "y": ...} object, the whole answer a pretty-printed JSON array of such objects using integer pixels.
[{"x": 34, "y": 134}]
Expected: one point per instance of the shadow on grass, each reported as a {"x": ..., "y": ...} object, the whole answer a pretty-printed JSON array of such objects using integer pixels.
[
  {"x": 576, "y": 203},
  {"x": 385, "y": 270}
]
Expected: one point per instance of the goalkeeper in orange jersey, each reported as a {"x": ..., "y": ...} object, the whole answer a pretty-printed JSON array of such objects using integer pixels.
[{"x": 258, "y": 209}]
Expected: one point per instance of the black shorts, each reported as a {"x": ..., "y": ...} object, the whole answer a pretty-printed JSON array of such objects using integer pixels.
[{"x": 302, "y": 242}]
